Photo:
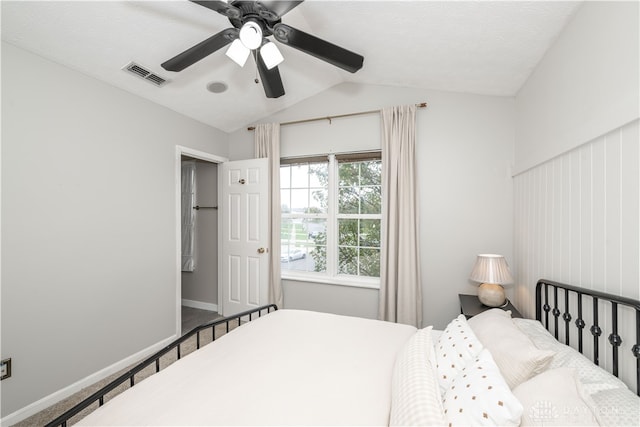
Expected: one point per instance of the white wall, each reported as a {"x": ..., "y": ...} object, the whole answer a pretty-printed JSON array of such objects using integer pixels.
[
  {"x": 578, "y": 218},
  {"x": 586, "y": 85},
  {"x": 200, "y": 287},
  {"x": 589, "y": 80},
  {"x": 577, "y": 195},
  {"x": 88, "y": 224},
  {"x": 578, "y": 222},
  {"x": 465, "y": 150}
]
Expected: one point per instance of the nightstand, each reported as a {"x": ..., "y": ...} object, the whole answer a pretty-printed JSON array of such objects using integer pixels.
[{"x": 470, "y": 305}]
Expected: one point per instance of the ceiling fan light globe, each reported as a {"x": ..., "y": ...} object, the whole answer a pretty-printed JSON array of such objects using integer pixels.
[
  {"x": 238, "y": 52},
  {"x": 251, "y": 35},
  {"x": 271, "y": 55}
]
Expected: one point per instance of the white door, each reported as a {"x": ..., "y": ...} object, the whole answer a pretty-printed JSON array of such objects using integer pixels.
[{"x": 244, "y": 204}]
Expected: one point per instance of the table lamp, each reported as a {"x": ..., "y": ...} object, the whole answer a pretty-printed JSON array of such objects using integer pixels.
[{"x": 491, "y": 271}]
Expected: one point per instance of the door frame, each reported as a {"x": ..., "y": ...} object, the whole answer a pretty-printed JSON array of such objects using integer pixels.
[{"x": 200, "y": 155}]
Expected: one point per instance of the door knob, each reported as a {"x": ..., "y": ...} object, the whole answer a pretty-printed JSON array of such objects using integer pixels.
[
  {"x": 241, "y": 181},
  {"x": 261, "y": 250}
]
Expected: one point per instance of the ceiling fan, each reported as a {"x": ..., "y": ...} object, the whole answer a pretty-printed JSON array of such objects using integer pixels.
[{"x": 253, "y": 22}]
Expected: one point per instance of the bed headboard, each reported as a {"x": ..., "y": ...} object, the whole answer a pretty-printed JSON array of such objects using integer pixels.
[{"x": 550, "y": 296}]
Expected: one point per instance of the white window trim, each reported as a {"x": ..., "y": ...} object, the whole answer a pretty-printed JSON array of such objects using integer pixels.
[
  {"x": 339, "y": 280},
  {"x": 332, "y": 277}
]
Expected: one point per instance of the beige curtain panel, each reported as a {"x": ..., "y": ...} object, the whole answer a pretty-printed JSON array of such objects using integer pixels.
[
  {"x": 267, "y": 144},
  {"x": 400, "y": 285}
]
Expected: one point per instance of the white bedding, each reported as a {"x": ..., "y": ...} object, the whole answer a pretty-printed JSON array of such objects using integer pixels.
[
  {"x": 295, "y": 367},
  {"x": 616, "y": 405},
  {"x": 593, "y": 378},
  {"x": 318, "y": 369}
]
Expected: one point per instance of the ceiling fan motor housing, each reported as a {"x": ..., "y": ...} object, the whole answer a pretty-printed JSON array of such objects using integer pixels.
[{"x": 255, "y": 12}]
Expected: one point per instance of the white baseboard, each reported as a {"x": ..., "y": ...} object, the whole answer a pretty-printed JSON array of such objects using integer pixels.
[
  {"x": 199, "y": 304},
  {"x": 57, "y": 396}
]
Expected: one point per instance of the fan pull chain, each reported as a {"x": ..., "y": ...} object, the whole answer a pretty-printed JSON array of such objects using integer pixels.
[{"x": 255, "y": 57}]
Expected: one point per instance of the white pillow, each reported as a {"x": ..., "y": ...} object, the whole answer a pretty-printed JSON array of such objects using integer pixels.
[
  {"x": 415, "y": 395},
  {"x": 456, "y": 347},
  {"x": 514, "y": 353},
  {"x": 556, "y": 398},
  {"x": 592, "y": 377},
  {"x": 480, "y": 396}
]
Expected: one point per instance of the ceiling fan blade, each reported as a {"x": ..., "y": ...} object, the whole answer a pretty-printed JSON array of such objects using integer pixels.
[
  {"x": 271, "y": 80},
  {"x": 222, "y": 7},
  {"x": 201, "y": 50},
  {"x": 280, "y": 7},
  {"x": 319, "y": 48}
]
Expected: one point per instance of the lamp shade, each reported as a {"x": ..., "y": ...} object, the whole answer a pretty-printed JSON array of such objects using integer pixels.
[{"x": 491, "y": 268}]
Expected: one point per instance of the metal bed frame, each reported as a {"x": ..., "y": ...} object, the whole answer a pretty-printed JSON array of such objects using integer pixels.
[
  {"x": 547, "y": 304},
  {"x": 129, "y": 376}
]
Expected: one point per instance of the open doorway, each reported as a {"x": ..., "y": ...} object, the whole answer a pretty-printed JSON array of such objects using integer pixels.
[{"x": 197, "y": 284}]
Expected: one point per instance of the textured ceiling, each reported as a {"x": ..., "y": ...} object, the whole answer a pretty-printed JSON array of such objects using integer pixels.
[{"x": 483, "y": 47}]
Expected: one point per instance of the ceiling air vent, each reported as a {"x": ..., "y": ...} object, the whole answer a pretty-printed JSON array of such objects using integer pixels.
[{"x": 143, "y": 73}]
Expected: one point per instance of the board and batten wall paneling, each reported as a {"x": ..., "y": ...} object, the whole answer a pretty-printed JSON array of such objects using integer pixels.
[{"x": 577, "y": 221}]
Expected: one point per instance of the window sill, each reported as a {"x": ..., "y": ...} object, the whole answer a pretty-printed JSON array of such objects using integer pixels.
[{"x": 367, "y": 283}]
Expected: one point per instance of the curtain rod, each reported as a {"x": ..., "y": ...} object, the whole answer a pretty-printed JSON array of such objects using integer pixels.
[{"x": 316, "y": 119}]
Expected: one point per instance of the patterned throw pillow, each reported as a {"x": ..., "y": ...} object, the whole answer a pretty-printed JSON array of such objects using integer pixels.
[
  {"x": 456, "y": 347},
  {"x": 415, "y": 397},
  {"x": 480, "y": 396}
]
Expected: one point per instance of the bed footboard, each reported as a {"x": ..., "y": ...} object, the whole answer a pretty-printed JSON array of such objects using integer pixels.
[
  {"x": 130, "y": 375},
  {"x": 548, "y": 301}
]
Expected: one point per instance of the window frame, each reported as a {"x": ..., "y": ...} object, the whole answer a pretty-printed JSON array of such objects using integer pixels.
[{"x": 332, "y": 275}]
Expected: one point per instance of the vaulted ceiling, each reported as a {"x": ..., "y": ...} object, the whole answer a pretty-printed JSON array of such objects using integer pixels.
[{"x": 483, "y": 47}]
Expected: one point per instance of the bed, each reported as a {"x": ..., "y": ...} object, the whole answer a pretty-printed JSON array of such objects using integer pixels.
[{"x": 291, "y": 367}]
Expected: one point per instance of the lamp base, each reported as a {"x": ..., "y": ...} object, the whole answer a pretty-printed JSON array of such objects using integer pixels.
[{"x": 491, "y": 295}]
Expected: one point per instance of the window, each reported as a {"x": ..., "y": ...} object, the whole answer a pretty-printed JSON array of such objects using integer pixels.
[{"x": 331, "y": 215}]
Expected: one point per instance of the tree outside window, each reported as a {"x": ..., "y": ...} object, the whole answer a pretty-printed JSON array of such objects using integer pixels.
[{"x": 331, "y": 216}]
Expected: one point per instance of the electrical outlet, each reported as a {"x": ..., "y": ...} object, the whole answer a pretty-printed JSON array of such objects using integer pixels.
[{"x": 5, "y": 369}]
